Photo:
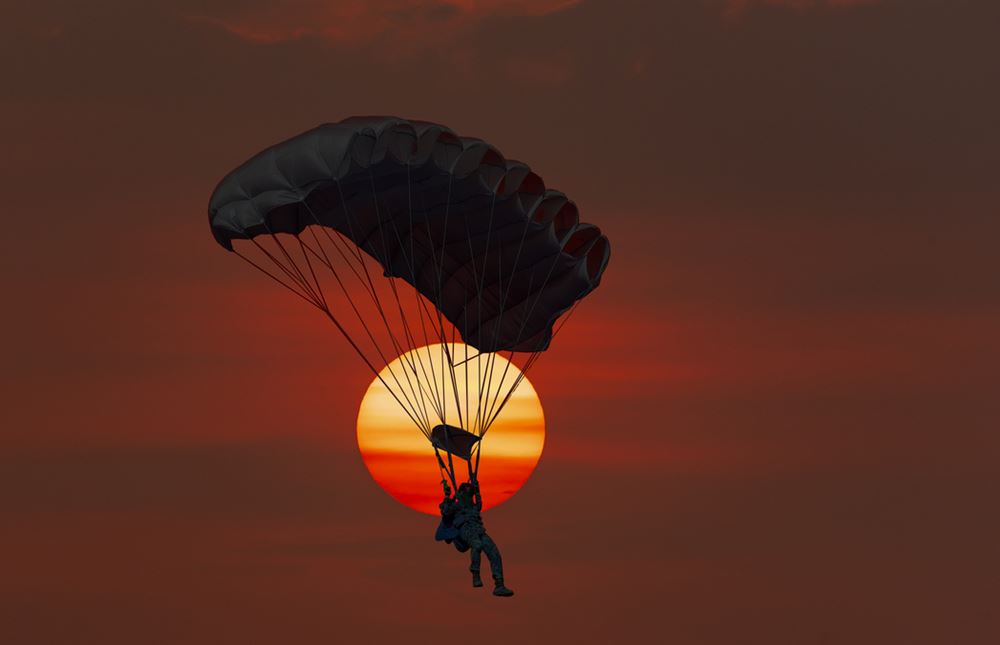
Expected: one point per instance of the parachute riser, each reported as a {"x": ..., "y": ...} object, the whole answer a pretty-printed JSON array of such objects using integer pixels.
[{"x": 444, "y": 469}]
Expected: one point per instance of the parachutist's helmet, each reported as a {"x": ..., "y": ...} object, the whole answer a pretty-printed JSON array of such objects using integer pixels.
[{"x": 465, "y": 487}]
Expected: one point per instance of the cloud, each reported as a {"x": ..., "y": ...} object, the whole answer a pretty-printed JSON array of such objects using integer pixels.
[
  {"x": 353, "y": 22},
  {"x": 734, "y": 8}
]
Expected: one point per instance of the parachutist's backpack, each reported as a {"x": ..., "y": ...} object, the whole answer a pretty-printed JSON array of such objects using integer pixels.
[{"x": 449, "y": 534}]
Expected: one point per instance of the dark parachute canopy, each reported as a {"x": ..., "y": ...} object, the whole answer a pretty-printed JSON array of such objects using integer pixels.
[{"x": 496, "y": 256}]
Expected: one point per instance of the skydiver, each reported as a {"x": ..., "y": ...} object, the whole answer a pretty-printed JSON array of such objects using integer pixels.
[{"x": 462, "y": 514}]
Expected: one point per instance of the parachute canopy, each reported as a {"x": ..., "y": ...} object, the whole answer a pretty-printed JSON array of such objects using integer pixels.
[
  {"x": 498, "y": 254},
  {"x": 492, "y": 255}
]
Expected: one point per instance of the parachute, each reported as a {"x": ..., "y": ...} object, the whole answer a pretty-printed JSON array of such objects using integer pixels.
[{"x": 352, "y": 216}]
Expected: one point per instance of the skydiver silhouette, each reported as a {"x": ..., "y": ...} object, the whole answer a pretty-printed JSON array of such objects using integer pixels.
[{"x": 462, "y": 523}]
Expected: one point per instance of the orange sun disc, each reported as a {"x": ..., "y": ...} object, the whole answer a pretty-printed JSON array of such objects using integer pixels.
[{"x": 399, "y": 455}]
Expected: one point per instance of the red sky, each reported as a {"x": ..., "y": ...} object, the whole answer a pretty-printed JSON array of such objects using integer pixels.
[{"x": 775, "y": 422}]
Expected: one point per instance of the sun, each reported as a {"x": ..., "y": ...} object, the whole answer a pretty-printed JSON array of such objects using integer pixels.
[{"x": 401, "y": 459}]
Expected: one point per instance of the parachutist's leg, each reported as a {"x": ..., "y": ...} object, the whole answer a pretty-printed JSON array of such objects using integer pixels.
[
  {"x": 475, "y": 559},
  {"x": 496, "y": 566},
  {"x": 493, "y": 555}
]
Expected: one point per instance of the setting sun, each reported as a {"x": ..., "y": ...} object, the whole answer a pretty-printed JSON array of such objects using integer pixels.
[{"x": 401, "y": 458}]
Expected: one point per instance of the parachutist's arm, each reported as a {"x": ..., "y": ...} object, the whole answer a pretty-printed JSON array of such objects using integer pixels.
[
  {"x": 477, "y": 497},
  {"x": 447, "y": 507}
]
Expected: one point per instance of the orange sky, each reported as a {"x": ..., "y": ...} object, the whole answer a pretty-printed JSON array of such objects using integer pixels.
[{"x": 774, "y": 422}]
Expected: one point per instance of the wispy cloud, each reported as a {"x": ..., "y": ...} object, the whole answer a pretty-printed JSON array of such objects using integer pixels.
[{"x": 361, "y": 21}]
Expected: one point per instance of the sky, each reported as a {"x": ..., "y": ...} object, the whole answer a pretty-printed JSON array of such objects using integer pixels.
[{"x": 774, "y": 422}]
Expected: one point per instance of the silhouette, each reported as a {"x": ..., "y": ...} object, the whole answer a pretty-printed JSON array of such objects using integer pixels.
[
  {"x": 493, "y": 256},
  {"x": 462, "y": 523}
]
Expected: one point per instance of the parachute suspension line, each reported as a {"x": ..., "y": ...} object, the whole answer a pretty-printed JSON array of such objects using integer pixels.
[
  {"x": 438, "y": 393},
  {"x": 531, "y": 361},
  {"x": 442, "y": 411},
  {"x": 440, "y": 288},
  {"x": 422, "y": 313},
  {"x": 479, "y": 301},
  {"x": 413, "y": 356},
  {"x": 465, "y": 319},
  {"x": 479, "y": 313},
  {"x": 444, "y": 469},
  {"x": 534, "y": 355},
  {"x": 422, "y": 411},
  {"x": 538, "y": 296},
  {"x": 373, "y": 292},
  {"x": 326, "y": 309},
  {"x": 350, "y": 300},
  {"x": 492, "y": 358},
  {"x": 468, "y": 409},
  {"x": 291, "y": 276},
  {"x": 273, "y": 277},
  {"x": 376, "y": 372},
  {"x": 436, "y": 399},
  {"x": 416, "y": 360},
  {"x": 446, "y": 360},
  {"x": 304, "y": 281},
  {"x": 496, "y": 397},
  {"x": 319, "y": 287},
  {"x": 329, "y": 315},
  {"x": 496, "y": 335},
  {"x": 475, "y": 471},
  {"x": 531, "y": 280},
  {"x": 422, "y": 307},
  {"x": 410, "y": 355},
  {"x": 418, "y": 410},
  {"x": 326, "y": 258},
  {"x": 451, "y": 464},
  {"x": 352, "y": 250},
  {"x": 500, "y": 390}
]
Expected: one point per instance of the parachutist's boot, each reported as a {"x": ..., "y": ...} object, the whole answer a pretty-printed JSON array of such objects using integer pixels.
[
  {"x": 476, "y": 580},
  {"x": 499, "y": 589}
]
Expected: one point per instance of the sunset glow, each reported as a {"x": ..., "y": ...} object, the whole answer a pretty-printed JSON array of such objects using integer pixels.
[{"x": 400, "y": 457}]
